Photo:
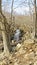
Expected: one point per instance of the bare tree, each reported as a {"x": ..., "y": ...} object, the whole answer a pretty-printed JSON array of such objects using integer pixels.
[
  {"x": 5, "y": 31},
  {"x": 12, "y": 16},
  {"x": 35, "y": 18}
]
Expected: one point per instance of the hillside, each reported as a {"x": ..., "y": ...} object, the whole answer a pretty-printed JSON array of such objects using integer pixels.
[
  {"x": 21, "y": 19},
  {"x": 25, "y": 51}
]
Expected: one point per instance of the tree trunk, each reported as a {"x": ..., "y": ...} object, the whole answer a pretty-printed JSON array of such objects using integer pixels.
[
  {"x": 5, "y": 39},
  {"x": 6, "y": 42},
  {"x": 36, "y": 26},
  {"x": 35, "y": 19},
  {"x": 0, "y": 5}
]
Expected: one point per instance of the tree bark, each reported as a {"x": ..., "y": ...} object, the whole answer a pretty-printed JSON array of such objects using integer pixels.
[
  {"x": 0, "y": 5},
  {"x": 6, "y": 42},
  {"x": 35, "y": 19}
]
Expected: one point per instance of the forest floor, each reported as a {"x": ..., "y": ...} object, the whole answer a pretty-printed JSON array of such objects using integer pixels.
[{"x": 23, "y": 54}]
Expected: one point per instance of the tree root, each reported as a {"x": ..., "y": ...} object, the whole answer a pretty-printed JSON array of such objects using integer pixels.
[{"x": 4, "y": 55}]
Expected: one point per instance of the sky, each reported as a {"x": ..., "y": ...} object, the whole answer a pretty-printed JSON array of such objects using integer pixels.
[{"x": 18, "y": 7}]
